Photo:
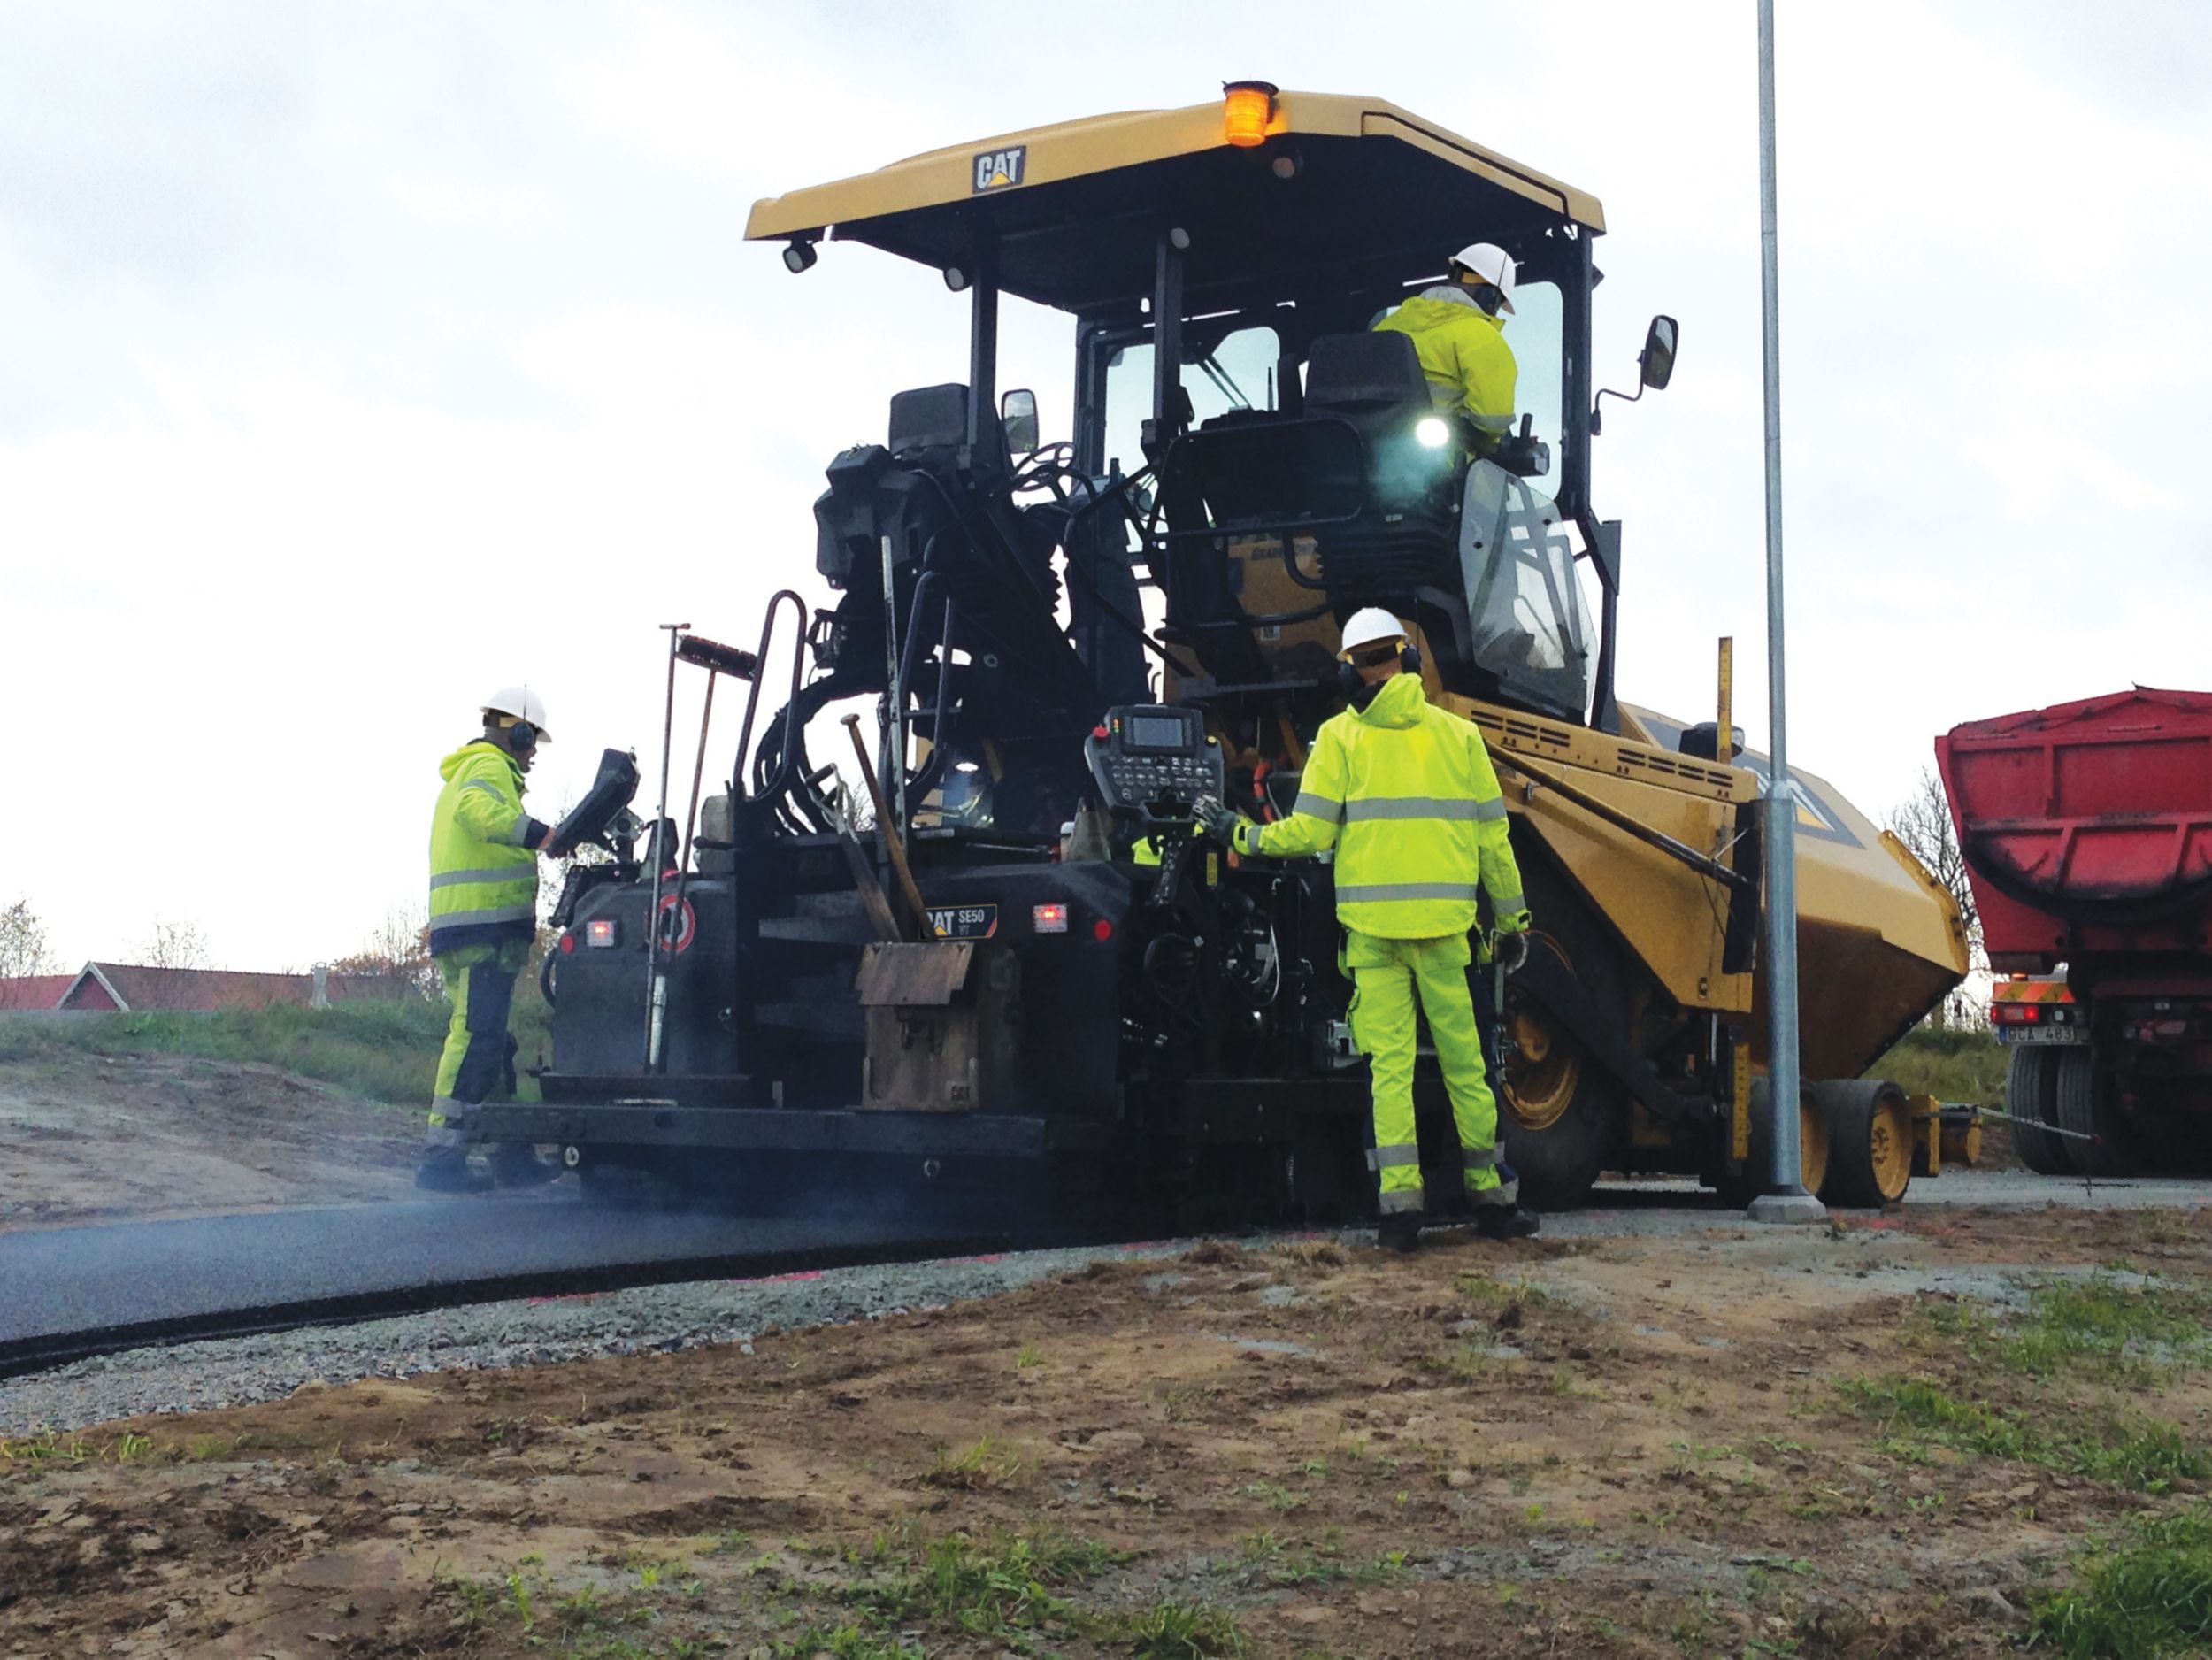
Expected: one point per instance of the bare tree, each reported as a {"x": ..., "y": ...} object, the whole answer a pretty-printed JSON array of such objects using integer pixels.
[
  {"x": 398, "y": 950},
  {"x": 23, "y": 950},
  {"x": 1923, "y": 822},
  {"x": 174, "y": 945},
  {"x": 23, "y": 943}
]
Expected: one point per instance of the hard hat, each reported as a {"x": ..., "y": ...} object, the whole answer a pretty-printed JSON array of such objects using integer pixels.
[
  {"x": 520, "y": 703},
  {"x": 1494, "y": 266},
  {"x": 1370, "y": 626}
]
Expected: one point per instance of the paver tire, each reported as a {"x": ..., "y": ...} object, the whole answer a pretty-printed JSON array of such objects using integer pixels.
[{"x": 1870, "y": 1141}]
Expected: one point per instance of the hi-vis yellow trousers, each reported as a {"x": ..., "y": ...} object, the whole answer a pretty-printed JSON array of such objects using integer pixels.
[{"x": 1390, "y": 979}]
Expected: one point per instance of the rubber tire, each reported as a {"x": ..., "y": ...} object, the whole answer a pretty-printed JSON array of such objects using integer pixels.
[
  {"x": 1738, "y": 1192},
  {"x": 2085, "y": 1106},
  {"x": 1862, "y": 1113},
  {"x": 1558, "y": 1163},
  {"x": 2031, "y": 1101}
]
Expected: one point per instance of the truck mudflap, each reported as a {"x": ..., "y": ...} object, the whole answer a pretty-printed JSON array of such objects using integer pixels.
[{"x": 768, "y": 1129}]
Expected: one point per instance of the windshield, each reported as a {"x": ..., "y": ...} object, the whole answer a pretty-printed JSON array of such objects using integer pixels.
[{"x": 1238, "y": 373}]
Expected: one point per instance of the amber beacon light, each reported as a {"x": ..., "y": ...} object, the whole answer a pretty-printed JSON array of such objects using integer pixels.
[{"x": 1246, "y": 107}]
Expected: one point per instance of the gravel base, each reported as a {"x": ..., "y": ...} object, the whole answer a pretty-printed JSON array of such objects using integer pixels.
[{"x": 535, "y": 1332}]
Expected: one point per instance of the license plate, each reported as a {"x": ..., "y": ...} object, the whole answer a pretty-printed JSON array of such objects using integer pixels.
[
  {"x": 2042, "y": 1034},
  {"x": 964, "y": 922}
]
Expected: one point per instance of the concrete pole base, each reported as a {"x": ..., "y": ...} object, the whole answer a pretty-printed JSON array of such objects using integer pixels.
[{"x": 1787, "y": 1207}]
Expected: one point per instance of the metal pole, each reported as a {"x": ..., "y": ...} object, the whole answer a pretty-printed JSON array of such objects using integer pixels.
[
  {"x": 657, "y": 978},
  {"x": 1785, "y": 1199}
]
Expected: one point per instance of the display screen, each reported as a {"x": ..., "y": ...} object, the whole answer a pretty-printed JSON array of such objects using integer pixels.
[{"x": 1155, "y": 732}]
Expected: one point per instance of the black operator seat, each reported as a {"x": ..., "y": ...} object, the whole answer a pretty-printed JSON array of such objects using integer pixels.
[
  {"x": 1366, "y": 378},
  {"x": 1406, "y": 537}
]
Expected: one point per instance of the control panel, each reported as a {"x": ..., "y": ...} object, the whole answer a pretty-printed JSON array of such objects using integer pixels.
[{"x": 1153, "y": 762}]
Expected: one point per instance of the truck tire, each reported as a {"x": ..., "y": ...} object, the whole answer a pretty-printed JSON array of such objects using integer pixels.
[
  {"x": 2086, "y": 1107},
  {"x": 2031, "y": 1102},
  {"x": 1563, "y": 1117},
  {"x": 1870, "y": 1141}
]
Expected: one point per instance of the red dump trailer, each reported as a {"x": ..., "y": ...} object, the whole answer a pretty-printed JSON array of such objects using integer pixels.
[{"x": 2087, "y": 835}]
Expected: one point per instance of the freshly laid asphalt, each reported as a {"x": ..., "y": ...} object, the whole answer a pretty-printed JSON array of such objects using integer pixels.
[
  {"x": 127, "y": 1274},
  {"x": 146, "y": 1274}
]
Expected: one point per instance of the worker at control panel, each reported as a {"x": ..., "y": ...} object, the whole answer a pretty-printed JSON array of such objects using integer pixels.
[{"x": 1405, "y": 794}]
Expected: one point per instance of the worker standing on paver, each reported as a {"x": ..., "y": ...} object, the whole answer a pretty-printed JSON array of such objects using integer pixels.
[
  {"x": 483, "y": 917},
  {"x": 1458, "y": 332},
  {"x": 1406, "y": 794}
]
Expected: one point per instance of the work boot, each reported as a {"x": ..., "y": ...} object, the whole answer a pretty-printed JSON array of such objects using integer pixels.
[
  {"x": 1506, "y": 1221},
  {"x": 447, "y": 1170},
  {"x": 1399, "y": 1231}
]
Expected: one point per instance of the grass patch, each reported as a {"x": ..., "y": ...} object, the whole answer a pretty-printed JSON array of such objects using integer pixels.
[
  {"x": 2146, "y": 1596},
  {"x": 1182, "y": 1631},
  {"x": 2146, "y": 1454},
  {"x": 1950, "y": 1065},
  {"x": 387, "y": 1051},
  {"x": 981, "y": 1468},
  {"x": 2126, "y": 1334},
  {"x": 1011, "y": 1589}
]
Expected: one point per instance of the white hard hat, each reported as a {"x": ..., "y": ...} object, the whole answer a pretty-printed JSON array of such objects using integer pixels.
[
  {"x": 1369, "y": 626},
  {"x": 522, "y": 703},
  {"x": 1494, "y": 266}
]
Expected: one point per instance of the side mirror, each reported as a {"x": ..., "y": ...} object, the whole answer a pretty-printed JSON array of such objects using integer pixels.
[
  {"x": 1656, "y": 366},
  {"x": 1018, "y": 418}
]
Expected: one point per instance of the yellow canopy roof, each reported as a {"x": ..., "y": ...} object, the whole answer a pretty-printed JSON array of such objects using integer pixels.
[{"x": 1074, "y": 208}]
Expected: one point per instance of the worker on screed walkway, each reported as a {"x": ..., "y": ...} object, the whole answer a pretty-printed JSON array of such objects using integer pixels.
[
  {"x": 1405, "y": 794},
  {"x": 483, "y": 917},
  {"x": 1459, "y": 335}
]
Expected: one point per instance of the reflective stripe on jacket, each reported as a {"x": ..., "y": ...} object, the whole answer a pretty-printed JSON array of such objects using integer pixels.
[
  {"x": 1465, "y": 354},
  {"x": 483, "y": 875},
  {"x": 1405, "y": 794}
]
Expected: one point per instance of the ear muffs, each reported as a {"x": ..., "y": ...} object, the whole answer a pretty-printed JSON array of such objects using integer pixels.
[
  {"x": 1349, "y": 683},
  {"x": 517, "y": 736}
]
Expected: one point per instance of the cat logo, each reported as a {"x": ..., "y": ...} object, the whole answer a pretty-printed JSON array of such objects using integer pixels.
[{"x": 1000, "y": 169}]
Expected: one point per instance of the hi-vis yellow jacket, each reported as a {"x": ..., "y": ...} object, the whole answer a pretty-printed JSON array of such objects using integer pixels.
[
  {"x": 1463, "y": 351},
  {"x": 483, "y": 875},
  {"x": 1406, "y": 794}
]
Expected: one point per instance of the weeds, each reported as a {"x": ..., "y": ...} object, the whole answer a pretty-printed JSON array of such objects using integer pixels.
[
  {"x": 1182, "y": 1631},
  {"x": 2148, "y": 1596},
  {"x": 2145, "y": 1454},
  {"x": 984, "y": 1467},
  {"x": 2126, "y": 1334}
]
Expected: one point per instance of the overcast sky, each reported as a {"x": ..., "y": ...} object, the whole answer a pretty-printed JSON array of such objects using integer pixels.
[{"x": 357, "y": 359}]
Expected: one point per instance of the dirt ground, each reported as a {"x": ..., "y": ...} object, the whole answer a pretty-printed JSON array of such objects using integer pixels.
[
  {"x": 1689, "y": 1445},
  {"x": 93, "y": 1138}
]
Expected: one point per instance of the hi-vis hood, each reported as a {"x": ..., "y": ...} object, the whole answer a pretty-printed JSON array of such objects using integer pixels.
[
  {"x": 1399, "y": 703},
  {"x": 1441, "y": 308},
  {"x": 452, "y": 765}
]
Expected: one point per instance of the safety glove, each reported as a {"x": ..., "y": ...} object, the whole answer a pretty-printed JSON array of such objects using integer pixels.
[
  {"x": 1510, "y": 949},
  {"x": 1218, "y": 820}
]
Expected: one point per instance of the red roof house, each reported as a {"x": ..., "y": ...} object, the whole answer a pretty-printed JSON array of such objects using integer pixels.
[
  {"x": 34, "y": 991},
  {"x": 125, "y": 986}
]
